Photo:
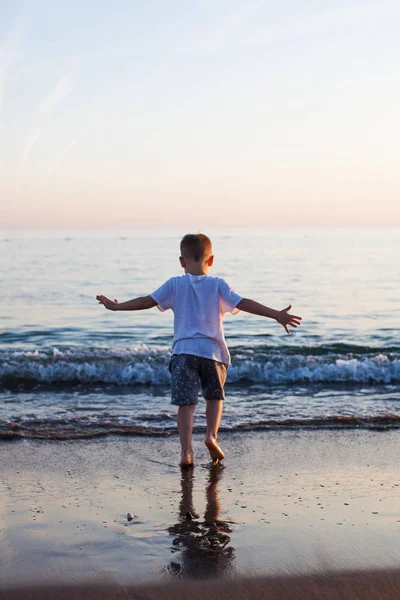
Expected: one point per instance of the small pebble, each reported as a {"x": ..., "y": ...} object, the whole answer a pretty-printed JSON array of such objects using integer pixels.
[{"x": 129, "y": 516}]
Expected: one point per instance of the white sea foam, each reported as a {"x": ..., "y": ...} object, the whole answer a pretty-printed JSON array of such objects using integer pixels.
[{"x": 143, "y": 365}]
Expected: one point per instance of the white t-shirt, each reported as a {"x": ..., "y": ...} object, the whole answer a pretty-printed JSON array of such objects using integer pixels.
[{"x": 199, "y": 303}]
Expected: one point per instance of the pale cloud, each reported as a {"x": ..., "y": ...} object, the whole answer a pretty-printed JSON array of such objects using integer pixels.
[
  {"x": 243, "y": 27},
  {"x": 46, "y": 108},
  {"x": 63, "y": 89},
  {"x": 58, "y": 158},
  {"x": 10, "y": 51},
  {"x": 30, "y": 141},
  {"x": 320, "y": 21},
  {"x": 228, "y": 27}
]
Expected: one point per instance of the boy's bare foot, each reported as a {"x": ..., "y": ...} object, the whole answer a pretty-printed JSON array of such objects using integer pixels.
[
  {"x": 214, "y": 450},
  {"x": 186, "y": 458}
]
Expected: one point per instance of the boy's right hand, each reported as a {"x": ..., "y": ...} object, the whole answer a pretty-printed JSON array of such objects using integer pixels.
[{"x": 108, "y": 303}]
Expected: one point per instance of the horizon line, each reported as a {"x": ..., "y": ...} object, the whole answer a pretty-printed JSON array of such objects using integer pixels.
[{"x": 174, "y": 227}]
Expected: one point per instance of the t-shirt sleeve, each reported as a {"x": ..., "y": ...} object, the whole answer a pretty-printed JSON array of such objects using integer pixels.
[
  {"x": 229, "y": 299},
  {"x": 164, "y": 295}
]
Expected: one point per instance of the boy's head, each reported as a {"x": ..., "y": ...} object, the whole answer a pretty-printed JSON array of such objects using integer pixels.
[{"x": 196, "y": 248}]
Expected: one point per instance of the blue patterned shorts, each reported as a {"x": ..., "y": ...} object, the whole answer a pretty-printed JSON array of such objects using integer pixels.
[{"x": 188, "y": 372}]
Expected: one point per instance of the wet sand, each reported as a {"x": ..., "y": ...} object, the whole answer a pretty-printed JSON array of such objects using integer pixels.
[
  {"x": 286, "y": 504},
  {"x": 375, "y": 585}
]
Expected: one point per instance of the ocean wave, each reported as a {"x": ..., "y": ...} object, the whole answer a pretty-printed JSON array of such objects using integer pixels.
[
  {"x": 83, "y": 428},
  {"x": 149, "y": 366},
  {"x": 379, "y": 368}
]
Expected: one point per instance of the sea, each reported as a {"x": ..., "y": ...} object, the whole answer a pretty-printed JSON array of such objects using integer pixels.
[{"x": 70, "y": 369}]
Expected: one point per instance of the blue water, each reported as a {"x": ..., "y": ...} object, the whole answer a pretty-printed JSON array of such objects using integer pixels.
[{"x": 69, "y": 368}]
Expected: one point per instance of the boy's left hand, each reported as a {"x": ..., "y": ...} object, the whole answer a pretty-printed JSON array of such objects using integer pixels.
[
  {"x": 107, "y": 303},
  {"x": 285, "y": 319}
]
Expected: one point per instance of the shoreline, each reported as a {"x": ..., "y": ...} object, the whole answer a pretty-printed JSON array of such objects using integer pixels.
[{"x": 286, "y": 503}]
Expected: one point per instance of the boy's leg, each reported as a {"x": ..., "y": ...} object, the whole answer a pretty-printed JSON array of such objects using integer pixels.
[
  {"x": 213, "y": 377},
  {"x": 184, "y": 390},
  {"x": 184, "y": 419},
  {"x": 213, "y": 417}
]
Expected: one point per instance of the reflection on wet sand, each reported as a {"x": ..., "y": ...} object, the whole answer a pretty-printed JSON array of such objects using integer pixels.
[{"x": 201, "y": 547}]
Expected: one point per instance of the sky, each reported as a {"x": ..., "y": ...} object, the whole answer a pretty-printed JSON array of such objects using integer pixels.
[{"x": 199, "y": 113}]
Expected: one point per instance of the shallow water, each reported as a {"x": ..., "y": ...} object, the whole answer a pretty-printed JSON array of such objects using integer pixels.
[{"x": 69, "y": 368}]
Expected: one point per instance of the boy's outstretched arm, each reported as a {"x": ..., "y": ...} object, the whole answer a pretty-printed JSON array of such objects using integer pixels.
[
  {"x": 282, "y": 316},
  {"x": 141, "y": 303}
]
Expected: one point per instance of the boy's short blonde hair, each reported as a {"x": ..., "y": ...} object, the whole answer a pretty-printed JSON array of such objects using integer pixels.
[{"x": 196, "y": 246}]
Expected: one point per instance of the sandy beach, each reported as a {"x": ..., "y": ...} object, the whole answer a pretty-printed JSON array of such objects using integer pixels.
[{"x": 286, "y": 504}]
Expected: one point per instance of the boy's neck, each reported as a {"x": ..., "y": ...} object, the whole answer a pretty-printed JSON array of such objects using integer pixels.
[
  {"x": 196, "y": 272},
  {"x": 196, "y": 269}
]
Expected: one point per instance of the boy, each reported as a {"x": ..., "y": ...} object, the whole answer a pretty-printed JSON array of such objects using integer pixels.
[{"x": 199, "y": 351}]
